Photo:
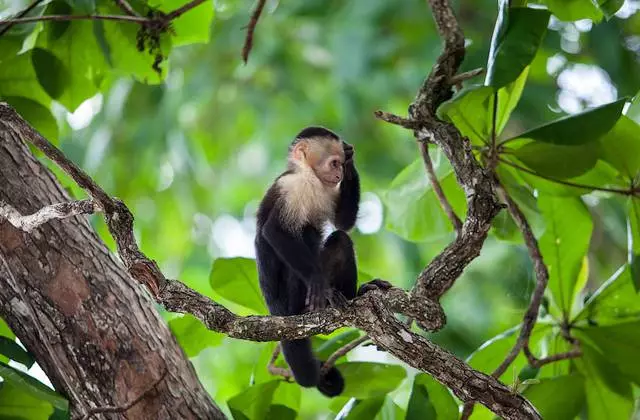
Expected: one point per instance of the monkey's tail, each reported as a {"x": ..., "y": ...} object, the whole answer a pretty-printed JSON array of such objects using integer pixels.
[{"x": 306, "y": 368}]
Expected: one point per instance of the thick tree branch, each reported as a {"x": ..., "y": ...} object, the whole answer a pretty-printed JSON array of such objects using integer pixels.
[{"x": 373, "y": 312}]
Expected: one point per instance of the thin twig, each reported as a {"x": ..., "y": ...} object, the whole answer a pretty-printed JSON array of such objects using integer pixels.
[
  {"x": 122, "y": 408},
  {"x": 45, "y": 214},
  {"x": 398, "y": 120},
  {"x": 331, "y": 361},
  {"x": 251, "y": 28},
  {"x": 276, "y": 370},
  {"x": 461, "y": 77},
  {"x": 61, "y": 18},
  {"x": 437, "y": 188},
  {"x": 631, "y": 191},
  {"x": 20, "y": 15},
  {"x": 126, "y": 7},
  {"x": 184, "y": 9}
]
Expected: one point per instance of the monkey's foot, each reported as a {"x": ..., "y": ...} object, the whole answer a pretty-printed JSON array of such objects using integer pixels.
[
  {"x": 337, "y": 299},
  {"x": 374, "y": 284}
]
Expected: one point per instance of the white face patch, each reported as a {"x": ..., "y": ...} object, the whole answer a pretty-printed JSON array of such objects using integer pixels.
[{"x": 306, "y": 198}]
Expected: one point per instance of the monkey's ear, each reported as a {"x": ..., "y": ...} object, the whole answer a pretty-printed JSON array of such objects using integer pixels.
[{"x": 299, "y": 151}]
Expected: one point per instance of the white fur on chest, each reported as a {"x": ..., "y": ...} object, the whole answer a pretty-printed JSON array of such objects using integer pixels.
[{"x": 306, "y": 199}]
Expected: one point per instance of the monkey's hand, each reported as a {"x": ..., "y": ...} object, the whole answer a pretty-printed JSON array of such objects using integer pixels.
[
  {"x": 316, "y": 296},
  {"x": 337, "y": 299},
  {"x": 374, "y": 285},
  {"x": 348, "y": 152}
]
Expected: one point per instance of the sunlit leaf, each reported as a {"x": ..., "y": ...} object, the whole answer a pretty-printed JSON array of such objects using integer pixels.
[
  {"x": 32, "y": 386},
  {"x": 620, "y": 344},
  {"x": 516, "y": 39},
  {"x": 413, "y": 211},
  {"x": 570, "y": 10},
  {"x": 557, "y": 398},
  {"x": 430, "y": 400},
  {"x": 564, "y": 244},
  {"x": 11, "y": 349},
  {"x": 18, "y": 403},
  {"x": 591, "y": 125},
  {"x": 621, "y": 147},
  {"x": 192, "y": 27},
  {"x": 254, "y": 402},
  {"x": 193, "y": 336},
  {"x": 236, "y": 279},
  {"x": 367, "y": 380},
  {"x": 616, "y": 301},
  {"x": 609, "y": 394},
  {"x": 634, "y": 109},
  {"x": 18, "y": 79}
]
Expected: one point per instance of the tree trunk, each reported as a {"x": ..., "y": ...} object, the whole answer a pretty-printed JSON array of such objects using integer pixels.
[{"x": 91, "y": 327}]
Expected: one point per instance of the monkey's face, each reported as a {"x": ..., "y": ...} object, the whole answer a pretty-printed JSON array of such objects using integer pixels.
[{"x": 325, "y": 156}]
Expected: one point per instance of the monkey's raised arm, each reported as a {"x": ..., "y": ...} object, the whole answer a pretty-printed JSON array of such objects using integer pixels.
[
  {"x": 293, "y": 251},
  {"x": 349, "y": 198}
]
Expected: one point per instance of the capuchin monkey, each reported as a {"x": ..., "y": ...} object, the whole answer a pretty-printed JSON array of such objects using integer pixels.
[{"x": 298, "y": 271}]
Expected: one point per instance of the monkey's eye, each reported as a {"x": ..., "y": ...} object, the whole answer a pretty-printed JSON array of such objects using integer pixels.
[{"x": 335, "y": 163}]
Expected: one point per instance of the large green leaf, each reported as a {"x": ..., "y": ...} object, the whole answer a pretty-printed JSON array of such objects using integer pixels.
[
  {"x": 69, "y": 62},
  {"x": 616, "y": 301},
  {"x": 17, "y": 403},
  {"x": 11, "y": 349},
  {"x": 620, "y": 344},
  {"x": 32, "y": 386},
  {"x": 564, "y": 245},
  {"x": 557, "y": 398},
  {"x": 367, "y": 380},
  {"x": 430, "y": 400},
  {"x": 610, "y": 7},
  {"x": 570, "y": 10},
  {"x": 590, "y": 125},
  {"x": 517, "y": 36},
  {"x": 38, "y": 115},
  {"x": 557, "y": 161},
  {"x": 236, "y": 279},
  {"x": 254, "y": 402},
  {"x": 634, "y": 109},
  {"x": 413, "y": 211},
  {"x": 609, "y": 394},
  {"x": 326, "y": 347},
  {"x": 621, "y": 147},
  {"x": 193, "y": 336},
  {"x": 366, "y": 409},
  {"x": 18, "y": 79},
  {"x": 192, "y": 27}
]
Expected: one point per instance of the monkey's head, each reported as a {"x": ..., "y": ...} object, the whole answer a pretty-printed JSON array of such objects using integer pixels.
[{"x": 320, "y": 150}]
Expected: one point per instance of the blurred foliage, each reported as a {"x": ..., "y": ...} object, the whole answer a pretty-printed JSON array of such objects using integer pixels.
[{"x": 192, "y": 149}]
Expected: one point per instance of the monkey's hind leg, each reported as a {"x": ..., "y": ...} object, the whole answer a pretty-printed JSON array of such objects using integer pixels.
[{"x": 339, "y": 264}]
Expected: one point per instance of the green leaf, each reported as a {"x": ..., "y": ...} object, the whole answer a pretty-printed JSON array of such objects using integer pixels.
[
  {"x": 614, "y": 302},
  {"x": 610, "y": 7},
  {"x": 77, "y": 59},
  {"x": 124, "y": 57},
  {"x": 609, "y": 394},
  {"x": 557, "y": 161},
  {"x": 430, "y": 400},
  {"x": 193, "y": 336},
  {"x": 621, "y": 147},
  {"x": 236, "y": 279},
  {"x": 413, "y": 211},
  {"x": 281, "y": 412},
  {"x": 325, "y": 348},
  {"x": 570, "y": 10},
  {"x": 591, "y": 125},
  {"x": 564, "y": 244},
  {"x": 508, "y": 98},
  {"x": 366, "y": 409},
  {"x": 192, "y": 27},
  {"x": 13, "y": 351},
  {"x": 18, "y": 79},
  {"x": 32, "y": 386},
  {"x": 254, "y": 402},
  {"x": 557, "y": 398},
  {"x": 39, "y": 116},
  {"x": 51, "y": 72},
  {"x": 633, "y": 236},
  {"x": 16, "y": 403},
  {"x": 621, "y": 345},
  {"x": 517, "y": 36},
  {"x": 634, "y": 109},
  {"x": 470, "y": 111},
  {"x": 367, "y": 380}
]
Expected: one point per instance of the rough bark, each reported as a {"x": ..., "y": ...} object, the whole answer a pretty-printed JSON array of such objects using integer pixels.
[{"x": 92, "y": 328}]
